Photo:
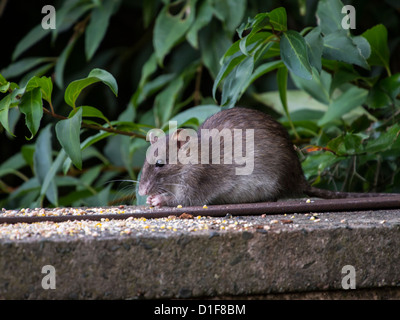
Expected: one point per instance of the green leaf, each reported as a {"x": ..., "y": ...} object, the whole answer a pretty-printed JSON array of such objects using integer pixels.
[
  {"x": 70, "y": 12},
  {"x": 343, "y": 76},
  {"x": 165, "y": 100},
  {"x": 281, "y": 79},
  {"x": 15, "y": 162},
  {"x": 315, "y": 45},
  {"x": 347, "y": 144},
  {"x": 149, "y": 11},
  {"x": 214, "y": 42},
  {"x": 42, "y": 162},
  {"x": 30, "y": 189},
  {"x": 31, "y": 38},
  {"x": 384, "y": 92},
  {"x": 346, "y": 102},
  {"x": 235, "y": 82},
  {"x": 260, "y": 21},
  {"x": 45, "y": 84},
  {"x": 148, "y": 69},
  {"x": 391, "y": 86},
  {"x": 3, "y": 81},
  {"x": 329, "y": 14},
  {"x": 234, "y": 57},
  {"x": 377, "y": 37},
  {"x": 98, "y": 26},
  {"x": 226, "y": 69},
  {"x": 96, "y": 75},
  {"x": 256, "y": 24},
  {"x": 68, "y": 134},
  {"x": 4, "y": 88},
  {"x": 61, "y": 62},
  {"x": 278, "y": 19},
  {"x": 85, "y": 144},
  {"x": 230, "y": 12},
  {"x": 294, "y": 54},
  {"x": 385, "y": 140},
  {"x": 31, "y": 106},
  {"x": 298, "y": 100},
  {"x": 38, "y": 72},
  {"x": 204, "y": 16},
  {"x": 318, "y": 87},
  {"x": 27, "y": 152},
  {"x": 169, "y": 29},
  {"x": 377, "y": 98},
  {"x": 99, "y": 199},
  {"x": 316, "y": 164},
  {"x": 87, "y": 179},
  {"x": 20, "y": 67},
  {"x": 363, "y": 46},
  {"x": 263, "y": 69},
  {"x": 199, "y": 114},
  {"x": 90, "y": 112},
  {"x": 339, "y": 46},
  {"x": 4, "y": 108},
  {"x": 49, "y": 178}
]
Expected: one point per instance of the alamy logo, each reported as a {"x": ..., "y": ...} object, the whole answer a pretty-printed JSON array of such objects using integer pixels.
[
  {"x": 349, "y": 280},
  {"x": 185, "y": 146},
  {"x": 349, "y": 20},
  {"x": 49, "y": 20},
  {"x": 49, "y": 280}
]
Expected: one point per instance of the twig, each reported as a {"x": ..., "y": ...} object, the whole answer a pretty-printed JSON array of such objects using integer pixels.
[
  {"x": 377, "y": 172},
  {"x": 3, "y": 4},
  {"x": 96, "y": 127},
  {"x": 196, "y": 94}
]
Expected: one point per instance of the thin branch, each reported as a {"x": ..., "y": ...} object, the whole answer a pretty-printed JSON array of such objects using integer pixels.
[
  {"x": 3, "y": 4},
  {"x": 197, "y": 94},
  {"x": 96, "y": 127}
]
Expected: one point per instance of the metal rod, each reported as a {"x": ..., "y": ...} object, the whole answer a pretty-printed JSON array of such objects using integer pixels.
[{"x": 280, "y": 207}]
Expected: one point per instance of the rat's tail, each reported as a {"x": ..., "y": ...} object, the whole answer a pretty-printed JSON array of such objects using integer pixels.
[{"x": 328, "y": 194}]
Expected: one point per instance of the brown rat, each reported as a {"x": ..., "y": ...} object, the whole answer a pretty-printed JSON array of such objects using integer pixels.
[{"x": 271, "y": 169}]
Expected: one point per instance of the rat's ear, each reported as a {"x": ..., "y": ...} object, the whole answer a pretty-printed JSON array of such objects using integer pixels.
[
  {"x": 152, "y": 137},
  {"x": 175, "y": 138}
]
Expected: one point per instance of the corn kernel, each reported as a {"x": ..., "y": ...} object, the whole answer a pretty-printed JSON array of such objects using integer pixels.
[
  {"x": 205, "y": 207},
  {"x": 179, "y": 206}
]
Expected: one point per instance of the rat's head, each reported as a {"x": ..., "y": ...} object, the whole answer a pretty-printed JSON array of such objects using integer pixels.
[{"x": 161, "y": 173}]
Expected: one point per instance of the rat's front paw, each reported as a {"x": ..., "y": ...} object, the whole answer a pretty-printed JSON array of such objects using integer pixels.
[{"x": 157, "y": 200}]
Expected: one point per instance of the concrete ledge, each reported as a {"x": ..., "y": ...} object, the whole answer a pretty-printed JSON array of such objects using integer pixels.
[{"x": 274, "y": 257}]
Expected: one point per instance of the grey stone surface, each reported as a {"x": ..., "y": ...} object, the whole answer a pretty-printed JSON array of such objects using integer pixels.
[{"x": 288, "y": 258}]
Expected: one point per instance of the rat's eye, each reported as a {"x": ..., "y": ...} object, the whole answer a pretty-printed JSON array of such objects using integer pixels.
[{"x": 159, "y": 163}]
